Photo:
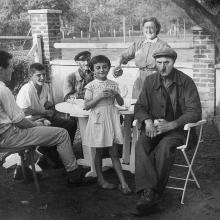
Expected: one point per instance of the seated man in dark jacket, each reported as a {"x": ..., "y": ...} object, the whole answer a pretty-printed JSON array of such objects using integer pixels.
[{"x": 169, "y": 98}]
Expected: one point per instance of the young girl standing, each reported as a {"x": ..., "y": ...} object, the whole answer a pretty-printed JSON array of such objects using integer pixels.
[{"x": 103, "y": 128}]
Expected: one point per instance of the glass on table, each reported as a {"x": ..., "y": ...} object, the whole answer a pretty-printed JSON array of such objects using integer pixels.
[
  {"x": 71, "y": 99},
  {"x": 129, "y": 103},
  {"x": 158, "y": 121},
  {"x": 124, "y": 91}
]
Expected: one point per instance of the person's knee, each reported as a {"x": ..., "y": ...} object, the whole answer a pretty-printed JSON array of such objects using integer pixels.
[
  {"x": 63, "y": 133},
  {"x": 113, "y": 153},
  {"x": 166, "y": 149}
]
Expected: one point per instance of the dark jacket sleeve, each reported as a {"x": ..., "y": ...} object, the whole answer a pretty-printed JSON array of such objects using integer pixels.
[
  {"x": 193, "y": 110},
  {"x": 142, "y": 107}
]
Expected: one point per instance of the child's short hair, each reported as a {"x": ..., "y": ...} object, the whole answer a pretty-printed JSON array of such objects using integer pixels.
[
  {"x": 36, "y": 67},
  {"x": 99, "y": 59}
]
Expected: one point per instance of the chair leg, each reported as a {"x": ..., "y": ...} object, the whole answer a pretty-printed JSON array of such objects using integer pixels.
[
  {"x": 31, "y": 153},
  {"x": 190, "y": 171},
  {"x": 187, "y": 176},
  {"x": 21, "y": 154},
  {"x": 194, "y": 177}
]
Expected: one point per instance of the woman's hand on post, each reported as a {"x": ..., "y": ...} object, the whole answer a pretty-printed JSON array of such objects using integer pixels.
[{"x": 117, "y": 71}]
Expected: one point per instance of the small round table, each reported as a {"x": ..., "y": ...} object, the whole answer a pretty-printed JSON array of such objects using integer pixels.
[{"x": 89, "y": 153}]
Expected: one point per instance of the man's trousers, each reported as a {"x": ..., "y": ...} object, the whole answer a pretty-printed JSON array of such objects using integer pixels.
[
  {"x": 16, "y": 137},
  {"x": 154, "y": 158}
]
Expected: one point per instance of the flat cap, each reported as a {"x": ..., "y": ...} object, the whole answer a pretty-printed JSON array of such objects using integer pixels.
[
  {"x": 82, "y": 56},
  {"x": 165, "y": 52}
]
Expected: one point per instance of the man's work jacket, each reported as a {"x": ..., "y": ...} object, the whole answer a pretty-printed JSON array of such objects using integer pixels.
[{"x": 182, "y": 94}]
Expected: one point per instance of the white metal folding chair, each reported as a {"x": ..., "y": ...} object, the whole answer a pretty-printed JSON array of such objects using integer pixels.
[
  {"x": 183, "y": 149},
  {"x": 189, "y": 162}
]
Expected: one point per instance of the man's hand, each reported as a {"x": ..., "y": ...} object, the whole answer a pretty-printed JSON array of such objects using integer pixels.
[
  {"x": 150, "y": 130},
  {"x": 39, "y": 123},
  {"x": 42, "y": 122},
  {"x": 165, "y": 126}
]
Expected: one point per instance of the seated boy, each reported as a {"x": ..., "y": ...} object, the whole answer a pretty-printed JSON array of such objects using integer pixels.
[{"x": 35, "y": 99}]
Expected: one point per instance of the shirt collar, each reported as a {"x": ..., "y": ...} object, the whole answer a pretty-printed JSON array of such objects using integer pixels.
[
  {"x": 2, "y": 83},
  {"x": 174, "y": 79},
  {"x": 151, "y": 41},
  {"x": 79, "y": 74},
  {"x": 32, "y": 84}
]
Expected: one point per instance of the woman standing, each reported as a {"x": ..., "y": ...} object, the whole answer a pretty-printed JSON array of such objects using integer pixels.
[{"x": 141, "y": 52}]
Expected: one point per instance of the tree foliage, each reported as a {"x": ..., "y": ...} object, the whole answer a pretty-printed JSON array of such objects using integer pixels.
[
  {"x": 14, "y": 19},
  {"x": 90, "y": 15},
  {"x": 206, "y": 13},
  {"x": 106, "y": 15}
]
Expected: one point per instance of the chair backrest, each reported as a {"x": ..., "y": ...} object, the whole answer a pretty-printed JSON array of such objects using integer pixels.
[{"x": 188, "y": 127}]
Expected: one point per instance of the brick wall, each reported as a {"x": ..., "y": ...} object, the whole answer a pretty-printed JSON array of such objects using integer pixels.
[
  {"x": 46, "y": 23},
  {"x": 204, "y": 69}
]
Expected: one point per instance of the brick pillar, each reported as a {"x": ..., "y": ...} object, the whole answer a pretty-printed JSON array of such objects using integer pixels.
[
  {"x": 204, "y": 69},
  {"x": 46, "y": 22}
]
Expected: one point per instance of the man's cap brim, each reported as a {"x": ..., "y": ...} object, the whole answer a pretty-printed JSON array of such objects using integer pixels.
[
  {"x": 165, "y": 52},
  {"x": 82, "y": 56}
]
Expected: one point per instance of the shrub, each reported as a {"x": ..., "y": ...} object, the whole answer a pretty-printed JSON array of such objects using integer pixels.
[{"x": 20, "y": 75}]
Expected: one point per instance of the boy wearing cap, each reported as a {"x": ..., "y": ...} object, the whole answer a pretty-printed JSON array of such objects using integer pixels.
[
  {"x": 74, "y": 84},
  {"x": 172, "y": 97}
]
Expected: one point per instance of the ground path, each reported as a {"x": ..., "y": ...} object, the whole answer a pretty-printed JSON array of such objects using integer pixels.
[{"x": 19, "y": 201}]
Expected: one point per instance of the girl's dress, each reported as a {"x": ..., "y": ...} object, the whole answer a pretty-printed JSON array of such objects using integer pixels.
[{"x": 103, "y": 127}]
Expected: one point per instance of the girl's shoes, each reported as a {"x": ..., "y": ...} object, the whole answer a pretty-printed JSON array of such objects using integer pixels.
[
  {"x": 107, "y": 185},
  {"x": 124, "y": 190}
]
